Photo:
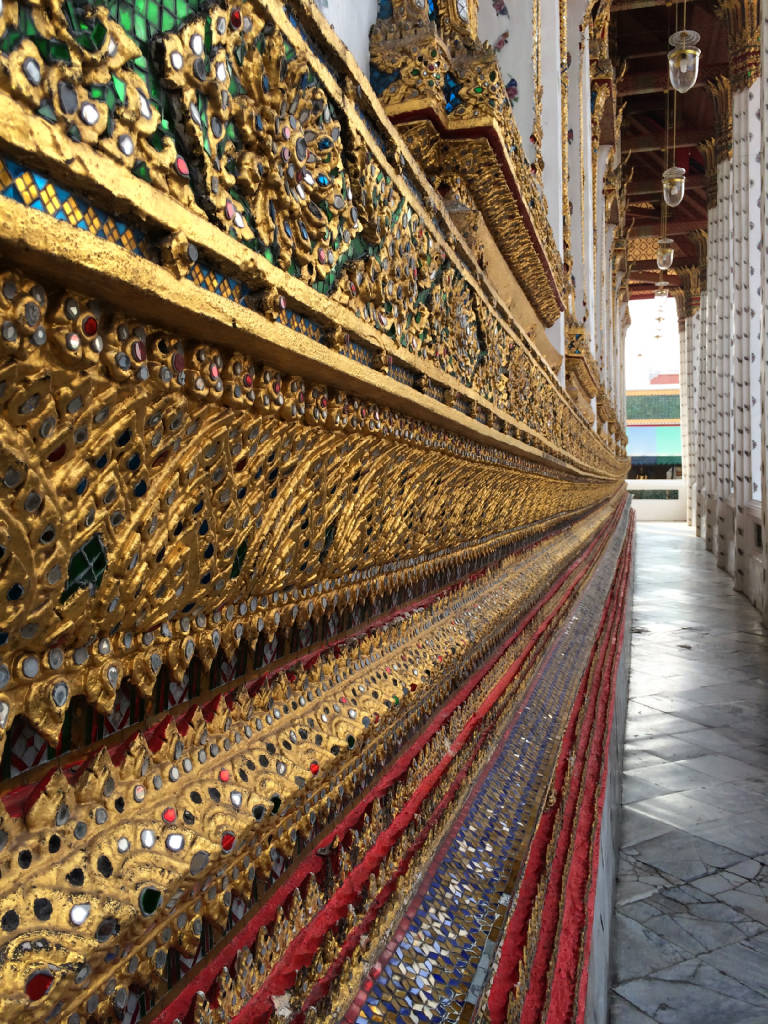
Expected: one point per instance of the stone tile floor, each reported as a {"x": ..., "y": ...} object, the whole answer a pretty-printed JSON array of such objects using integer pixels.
[{"x": 690, "y": 941}]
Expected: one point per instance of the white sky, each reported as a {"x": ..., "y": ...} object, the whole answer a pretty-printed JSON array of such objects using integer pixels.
[{"x": 652, "y": 346}]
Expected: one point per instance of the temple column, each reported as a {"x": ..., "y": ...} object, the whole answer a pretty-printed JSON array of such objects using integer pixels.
[
  {"x": 694, "y": 343},
  {"x": 352, "y": 23},
  {"x": 763, "y": 221},
  {"x": 580, "y": 177},
  {"x": 721, "y": 507},
  {"x": 707, "y": 448},
  {"x": 689, "y": 321},
  {"x": 742, "y": 17},
  {"x": 515, "y": 35}
]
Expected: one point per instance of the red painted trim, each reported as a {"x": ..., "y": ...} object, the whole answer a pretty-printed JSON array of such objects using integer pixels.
[
  {"x": 278, "y": 982},
  {"x": 569, "y": 967},
  {"x": 507, "y": 974}
]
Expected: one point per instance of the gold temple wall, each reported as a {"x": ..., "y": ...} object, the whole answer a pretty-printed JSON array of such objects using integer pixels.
[{"x": 255, "y": 392}]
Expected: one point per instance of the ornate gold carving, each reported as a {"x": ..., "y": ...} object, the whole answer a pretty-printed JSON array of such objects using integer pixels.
[
  {"x": 418, "y": 61},
  {"x": 121, "y": 440},
  {"x": 582, "y": 377},
  {"x": 691, "y": 289},
  {"x": 94, "y": 58},
  {"x": 195, "y": 820},
  {"x": 720, "y": 90},
  {"x": 743, "y": 20}
]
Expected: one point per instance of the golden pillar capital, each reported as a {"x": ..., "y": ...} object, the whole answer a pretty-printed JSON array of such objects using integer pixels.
[
  {"x": 689, "y": 297},
  {"x": 701, "y": 240},
  {"x": 743, "y": 20},
  {"x": 720, "y": 90}
]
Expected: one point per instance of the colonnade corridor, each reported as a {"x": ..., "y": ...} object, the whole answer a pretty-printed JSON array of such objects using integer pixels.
[{"x": 690, "y": 929}]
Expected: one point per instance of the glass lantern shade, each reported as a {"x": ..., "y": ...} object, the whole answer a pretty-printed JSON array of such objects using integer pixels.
[
  {"x": 665, "y": 254},
  {"x": 683, "y": 60},
  {"x": 673, "y": 184}
]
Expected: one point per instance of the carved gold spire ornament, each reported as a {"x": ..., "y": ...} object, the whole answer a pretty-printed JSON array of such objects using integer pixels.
[{"x": 743, "y": 20}]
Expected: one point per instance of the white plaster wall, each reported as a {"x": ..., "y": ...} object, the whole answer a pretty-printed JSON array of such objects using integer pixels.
[
  {"x": 507, "y": 25},
  {"x": 352, "y": 20},
  {"x": 659, "y": 510}
]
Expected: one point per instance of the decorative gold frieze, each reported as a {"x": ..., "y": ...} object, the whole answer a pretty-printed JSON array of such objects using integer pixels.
[
  {"x": 383, "y": 255},
  {"x": 136, "y": 850},
  {"x": 152, "y": 480}
]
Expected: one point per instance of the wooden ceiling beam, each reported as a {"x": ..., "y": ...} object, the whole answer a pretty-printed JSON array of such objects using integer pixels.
[
  {"x": 674, "y": 227},
  {"x": 647, "y": 186},
  {"x": 643, "y": 83},
  {"x": 653, "y": 141},
  {"x": 638, "y": 5}
]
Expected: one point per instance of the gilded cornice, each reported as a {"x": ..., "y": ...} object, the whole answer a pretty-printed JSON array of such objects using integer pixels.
[
  {"x": 743, "y": 20},
  {"x": 580, "y": 367},
  {"x": 678, "y": 294},
  {"x": 474, "y": 137},
  {"x": 719, "y": 89}
]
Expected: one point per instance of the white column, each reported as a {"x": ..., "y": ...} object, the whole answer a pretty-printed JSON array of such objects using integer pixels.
[
  {"x": 509, "y": 28},
  {"x": 740, "y": 346},
  {"x": 352, "y": 22},
  {"x": 723, "y": 527},
  {"x": 696, "y": 415},
  {"x": 580, "y": 162},
  {"x": 746, "y": 349},
  {"x": 689, "y": 337},
  {"x": 708, "y": 436},
  {"x": 763, "y": 221}
]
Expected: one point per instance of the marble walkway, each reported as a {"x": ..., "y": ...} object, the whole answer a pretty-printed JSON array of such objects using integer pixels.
[{"x": 690, "y": 940}]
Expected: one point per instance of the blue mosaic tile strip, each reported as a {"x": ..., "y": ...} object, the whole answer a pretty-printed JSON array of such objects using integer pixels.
[
  {"x": 445, "y": 946},
  {"x": 69, "y": 207}
]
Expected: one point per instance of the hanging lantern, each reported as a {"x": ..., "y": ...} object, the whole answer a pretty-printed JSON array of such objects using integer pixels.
[
  {"x": 683, "y": 60},
  {"x": 665, "y": 254},
  {"x": 662, "y": 288},
  {"x": 673, "y": 183}
]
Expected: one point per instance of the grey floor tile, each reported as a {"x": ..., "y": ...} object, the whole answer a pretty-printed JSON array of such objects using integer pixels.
[
  {"x": 672, "y": 776},
  {"x": 692, "y": 886},
  {"x": 635, "y": 787},
  {"x": 698, "y": 1001},
  {"x": 639, "y": 952},
  {"x": 680, "y": 809},
  {"x": 725, "y": 769},
  {"x": 684, "y": 855},
  {"x": 622, "y": 1012},
  {"x": 742, "y": 961},
  {"x": 636, "y": 827},
  {"x": 674, "y": 747}
]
